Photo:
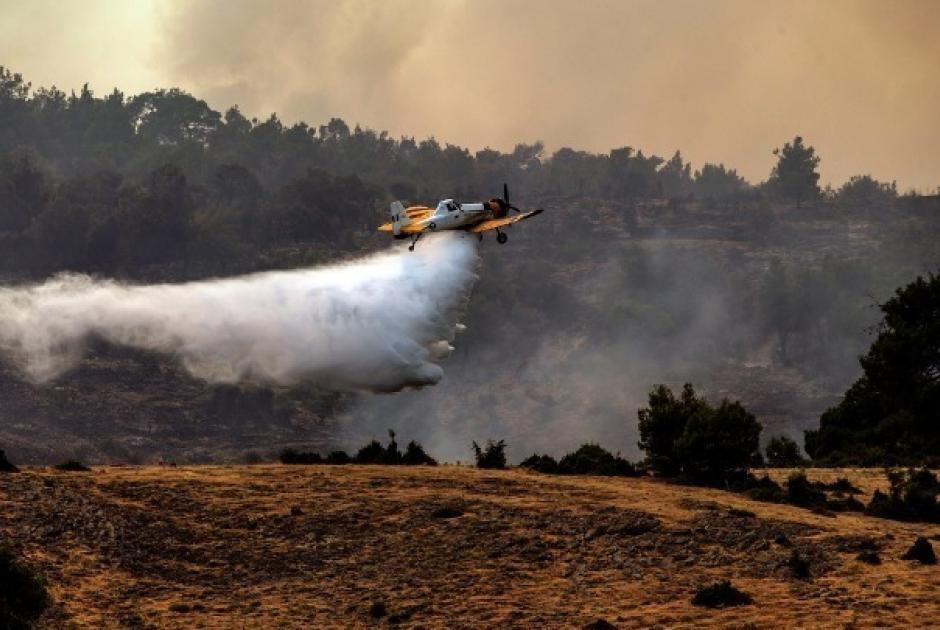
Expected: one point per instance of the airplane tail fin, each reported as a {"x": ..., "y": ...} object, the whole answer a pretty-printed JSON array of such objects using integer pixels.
[{"x": 399, "y": 218}]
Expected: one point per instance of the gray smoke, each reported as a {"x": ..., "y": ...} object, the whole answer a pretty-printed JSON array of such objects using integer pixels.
[{"x": 376, "y": 324}]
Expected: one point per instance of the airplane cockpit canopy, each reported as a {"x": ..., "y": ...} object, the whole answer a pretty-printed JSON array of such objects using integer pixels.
[{"x": 447, "y": 205}]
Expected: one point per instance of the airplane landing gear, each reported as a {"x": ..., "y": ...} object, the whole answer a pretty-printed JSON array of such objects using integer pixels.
[
  {"x": 414, "y": 241},
  {"x": 501, "y": 237}
]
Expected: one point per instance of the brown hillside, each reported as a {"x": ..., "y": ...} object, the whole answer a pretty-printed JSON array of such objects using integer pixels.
[{"x": 323, "y": 546}]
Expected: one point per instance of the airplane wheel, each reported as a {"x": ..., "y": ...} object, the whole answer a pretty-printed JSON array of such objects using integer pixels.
[
  {"x": 411, "y": 248},
  {"x": 502, "y": 237},
  {"x": 432, "y": 226}
]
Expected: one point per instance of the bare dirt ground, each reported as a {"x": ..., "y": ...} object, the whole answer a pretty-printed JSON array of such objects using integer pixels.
[{"x": 360, "y": 546}]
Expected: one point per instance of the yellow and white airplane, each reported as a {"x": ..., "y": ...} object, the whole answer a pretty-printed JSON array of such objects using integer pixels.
[{"x": 475, "y": 218}]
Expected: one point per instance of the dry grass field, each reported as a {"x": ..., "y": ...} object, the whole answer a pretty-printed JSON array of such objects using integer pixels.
[{"x": 361, "y": 546}]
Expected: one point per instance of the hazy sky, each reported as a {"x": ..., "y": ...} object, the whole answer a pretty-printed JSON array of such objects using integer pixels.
[{"x": 722, "y": 80}]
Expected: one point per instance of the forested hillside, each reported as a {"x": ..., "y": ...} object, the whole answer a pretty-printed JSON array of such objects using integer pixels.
[
  {"x": 118, "y": 184},
  {"x": 642, "y": 270}
]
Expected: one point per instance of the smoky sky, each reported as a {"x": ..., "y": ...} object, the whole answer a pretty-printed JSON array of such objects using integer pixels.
[{"x": 722, "y": 80}]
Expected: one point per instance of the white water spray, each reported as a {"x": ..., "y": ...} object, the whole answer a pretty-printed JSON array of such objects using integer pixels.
[{"x": 373, "y": 324}]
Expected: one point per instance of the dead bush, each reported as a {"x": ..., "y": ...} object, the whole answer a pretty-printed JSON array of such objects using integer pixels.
[
  {"x": 720, "y": 595},
  {"x": 6, "y": 465},
  {"x": 23, "y": 596},
  {"x": 921, "y": 551},
  {"x": 868, "y": 557}
]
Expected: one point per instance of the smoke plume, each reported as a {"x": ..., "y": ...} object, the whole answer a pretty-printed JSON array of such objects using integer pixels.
[{"x": 374, "y": 324}]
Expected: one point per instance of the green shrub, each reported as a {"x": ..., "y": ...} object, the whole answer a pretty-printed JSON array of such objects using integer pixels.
[
  {"x": 762, "y": 489},
  {"x": 375, "y": 453},
  {"x": 371, "y": 453},
  {"x": 592, "y": 459},
  {"x": 662, "y": 424},
  {"x": 718, "y": 443},
  {"x": 912, "y": 497},
  {"x": 541, "y": 463},
  {"x": 23, "y": 596},
  {"x": 843, "y": 486},
  {"x": 416, "y": 456},
  {"x": 493, "y": 456},
  {"x": 888, "y": 416},
  {"x": 848, "y": 504},
  {"x": 720, "y": 595},
  {"x": 688, "y": 436},
  {"x": 782, "y": 452},
  {"x": 392, "y": 454},
  {"x": 338, "y": 457},
  {"x": 919, "y": 493},
  {"x": 881, "y": 506},
  {"x": 800, "y": 491}
]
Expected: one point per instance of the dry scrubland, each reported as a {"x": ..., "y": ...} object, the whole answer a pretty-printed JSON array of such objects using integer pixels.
[{"x": 277, "y": 546}]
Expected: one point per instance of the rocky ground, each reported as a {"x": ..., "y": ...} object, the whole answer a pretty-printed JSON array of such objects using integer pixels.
[{"x": 363, "y": 546}]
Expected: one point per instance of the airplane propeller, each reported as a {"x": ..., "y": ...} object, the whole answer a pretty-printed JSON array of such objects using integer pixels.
[{"x": 505, "y": 198}]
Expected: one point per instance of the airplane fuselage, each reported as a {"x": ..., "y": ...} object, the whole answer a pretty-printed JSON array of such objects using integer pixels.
[{"x": 450, "y": 215}]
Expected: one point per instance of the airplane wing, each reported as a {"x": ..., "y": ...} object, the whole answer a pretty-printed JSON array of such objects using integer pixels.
[
  {"x": 492, "y": 224},
  {"x": 405, "y": 229}
]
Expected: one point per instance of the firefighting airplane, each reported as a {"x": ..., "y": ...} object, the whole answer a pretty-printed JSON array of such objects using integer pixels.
[{"x": 475, "y": 218}]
